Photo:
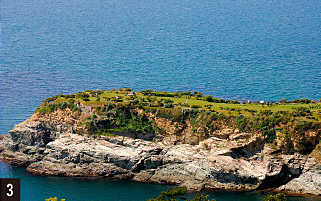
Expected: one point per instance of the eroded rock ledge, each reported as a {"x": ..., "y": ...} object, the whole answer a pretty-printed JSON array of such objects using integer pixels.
[{"x": 229, "y": 160}]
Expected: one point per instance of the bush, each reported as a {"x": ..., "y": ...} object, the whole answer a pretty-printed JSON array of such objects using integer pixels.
[
  {"x": 169, "y": 105},
  {"x": 208, "y": 98},
  {"x": 171, "y": 195},
  {"x": 71, "y": 101},
  {"x": 265, "y": 112},
  {"x": 302, "y": 111},
  {"x": 189, "y": 113},
  {"x": 277, "y": 197},
  {"x": 196, "y": 106}
]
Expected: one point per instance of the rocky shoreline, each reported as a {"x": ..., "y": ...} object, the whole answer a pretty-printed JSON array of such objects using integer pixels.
[{"x": 229, "y": 160}]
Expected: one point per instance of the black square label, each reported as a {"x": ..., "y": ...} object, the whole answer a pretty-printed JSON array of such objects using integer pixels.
[{"x": 10, "y": 189}]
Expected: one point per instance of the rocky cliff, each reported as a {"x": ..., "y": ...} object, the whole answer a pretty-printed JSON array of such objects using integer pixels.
[{"x": 57, "y": 144}]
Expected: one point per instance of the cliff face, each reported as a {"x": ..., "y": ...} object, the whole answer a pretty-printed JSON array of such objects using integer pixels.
[{"x": 55, "y": 144}]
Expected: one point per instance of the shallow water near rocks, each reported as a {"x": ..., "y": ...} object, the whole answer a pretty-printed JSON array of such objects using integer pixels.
[{"x": 34, "y": 187}]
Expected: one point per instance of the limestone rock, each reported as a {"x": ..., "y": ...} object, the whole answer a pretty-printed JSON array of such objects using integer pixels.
[
  {"x": 307, "y": 183},
  {"x": 230, "y": 160}
]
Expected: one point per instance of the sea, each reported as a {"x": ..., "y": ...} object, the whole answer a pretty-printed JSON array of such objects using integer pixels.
[{"x": 231, "y": 49}]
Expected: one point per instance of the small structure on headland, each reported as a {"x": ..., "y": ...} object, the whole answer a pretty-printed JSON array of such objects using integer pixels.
[
  {"x": 262, "y": 102},
  {"x": 131, "y": 93}
]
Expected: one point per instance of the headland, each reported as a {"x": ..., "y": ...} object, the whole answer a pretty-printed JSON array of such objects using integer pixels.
[{"x": 180, "y": 138}]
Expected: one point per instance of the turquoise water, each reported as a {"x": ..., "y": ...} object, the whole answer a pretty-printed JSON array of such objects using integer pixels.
[
  {"x": 247, "y": 49},
  {"x": 72, "y": 189}
]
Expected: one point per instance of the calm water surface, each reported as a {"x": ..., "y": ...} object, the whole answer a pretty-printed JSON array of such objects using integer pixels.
[
  {"x": 247, "y": 49},
  {"x": 42, "y": 187}
]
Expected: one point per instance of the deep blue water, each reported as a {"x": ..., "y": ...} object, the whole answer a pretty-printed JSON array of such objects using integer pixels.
[{"x": 246, "y": 49}]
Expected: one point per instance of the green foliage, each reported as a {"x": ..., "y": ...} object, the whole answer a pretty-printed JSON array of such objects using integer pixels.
[
  {"x": 302, "y": 111},
  {"x": 172, "y": 195},
  {"x": 305, "y": 100},
  {"x": 47, "y": 100},
  {"x": 105, "y": 134},
  {"x": 208, "y": 98},
  {"x": 162, "y": 94},
  {"x": 71, "y": 101},
  {"x": 54, "y": 106},
  {"x": 235, "y": 102},
  {"x": 198, "y": 197},
  {"x": 189, "y": 113},
  {"x": 265, "y": 112},
  {"x": 264, "y": 124},
  {"x": 277, "y": 197},
  {"x": 43, "y": 110},
  {"x": 168, "y": 105},
  {"x": 175, "y": 192},
  {"x": 109, "y": 106},
  {"x": 198, "y": 94},
  {"x": 121, "y": 117},
  {"x": 173, "y": 114},
  {"x": 196, "y": 106},
  {"x": 218, "y": 100}
]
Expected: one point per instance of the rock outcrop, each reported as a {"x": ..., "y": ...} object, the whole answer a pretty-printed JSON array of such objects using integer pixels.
[
  {"x": 230, "y": 160},
  {"x": 309, "y": 182}
]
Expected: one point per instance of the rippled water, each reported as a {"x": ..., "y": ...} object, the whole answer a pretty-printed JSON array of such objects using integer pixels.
[{"x": 231, "y": 49}]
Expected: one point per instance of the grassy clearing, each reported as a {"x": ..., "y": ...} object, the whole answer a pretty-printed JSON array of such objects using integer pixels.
[
  {"x": 197, "y": 102},
  {"x": 101, "y": 98}
]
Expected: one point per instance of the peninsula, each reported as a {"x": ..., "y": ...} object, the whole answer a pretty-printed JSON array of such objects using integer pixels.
[{"x": 182, "y": 138}]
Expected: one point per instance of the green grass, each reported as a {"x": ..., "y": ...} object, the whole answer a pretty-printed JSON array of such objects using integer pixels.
[
  {"x": 221, "y": 107},
  {"x": 61, "y": 99},
  {"x": 106, "y": 134}
]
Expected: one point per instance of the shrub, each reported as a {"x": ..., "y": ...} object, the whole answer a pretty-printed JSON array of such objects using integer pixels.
[
  {"x": 71, "y": 101},
  {"x": 265, "y": 112},
  {"x": 302, "y": 111},
  {"x": 169, "y": 105},
  {"x": 195, "y": 106},
  {"x": 277, "y": 197},
  {"x": 109, "y": 106},
  {"x": 171, "y": 195},
  {"x": 105, "y": 134},
  {"x": 208, "y": 98},
  {"x": 43, "y": 110},
  {"x": 189, "y": 113}
]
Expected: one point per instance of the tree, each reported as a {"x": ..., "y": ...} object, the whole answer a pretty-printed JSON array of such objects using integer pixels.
[{"x": 208, "y": 98}]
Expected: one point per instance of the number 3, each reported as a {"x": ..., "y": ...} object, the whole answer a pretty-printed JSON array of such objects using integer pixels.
[{"x": 10, "y": 186}]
